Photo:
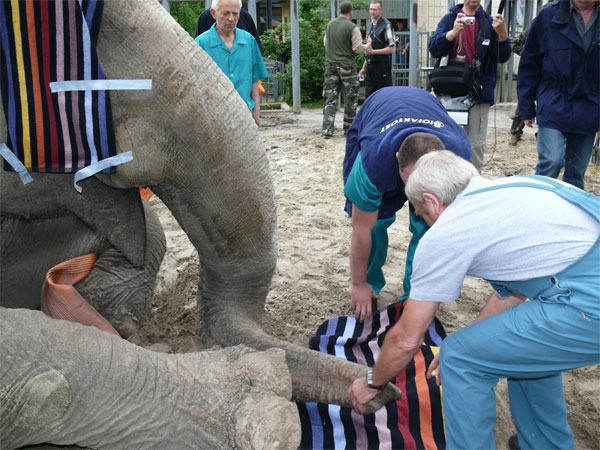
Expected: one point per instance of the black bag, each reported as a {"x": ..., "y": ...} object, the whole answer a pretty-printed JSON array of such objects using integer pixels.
[{"x": 456, "y": 79}]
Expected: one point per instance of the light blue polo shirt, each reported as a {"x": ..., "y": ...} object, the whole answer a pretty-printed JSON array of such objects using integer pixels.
[{"x": 243, "y": 65}]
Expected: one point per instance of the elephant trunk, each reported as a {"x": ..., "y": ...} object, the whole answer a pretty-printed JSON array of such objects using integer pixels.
[
  {"x": 198, "y": 148},
  {"x": 77, "y": 385}
]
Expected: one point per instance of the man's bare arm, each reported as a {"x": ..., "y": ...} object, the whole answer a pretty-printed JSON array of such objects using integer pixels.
[
  {"x": 401, "y": 343},
  {"x": 381, "y": 51},
  {"x": 360, "y": 248},
  {"x": 497, "y": 304},
  {"x": 357, "y": 43},
  {"x": 256, "y": 98}
]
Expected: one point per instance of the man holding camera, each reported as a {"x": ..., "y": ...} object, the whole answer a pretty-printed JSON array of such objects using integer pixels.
[{"x": 465, "y": 34}]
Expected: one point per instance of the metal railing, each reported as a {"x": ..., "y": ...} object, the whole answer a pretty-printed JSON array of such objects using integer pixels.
[
  {"x": 400, "y": 63},
  {"x": 273, "y": 84}
]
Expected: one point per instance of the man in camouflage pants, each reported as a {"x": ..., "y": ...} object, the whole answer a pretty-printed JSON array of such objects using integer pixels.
[{"x": 342, "y": 40}]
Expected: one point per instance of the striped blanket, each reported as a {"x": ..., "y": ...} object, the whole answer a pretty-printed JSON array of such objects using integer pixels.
[
  {"x": 47, "y": 41},
  {"x": 413, "y": 421}
]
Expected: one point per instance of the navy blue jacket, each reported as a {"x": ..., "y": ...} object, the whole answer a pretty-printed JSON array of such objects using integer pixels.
[
  {"x": 440, "y": 46},
  {"x": 556, "y": 72},
  {"x": 386, "y": 118}
]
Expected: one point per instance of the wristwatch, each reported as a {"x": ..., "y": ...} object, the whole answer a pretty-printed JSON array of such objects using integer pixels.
[{"x": 370, "y": 381}]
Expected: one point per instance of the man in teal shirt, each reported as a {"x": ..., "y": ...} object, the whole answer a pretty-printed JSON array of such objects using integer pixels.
[{"x": 235, "y": 51}]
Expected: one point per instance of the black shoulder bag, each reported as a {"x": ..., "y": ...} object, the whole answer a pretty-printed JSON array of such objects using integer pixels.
[{"x": 457, "y": 78}]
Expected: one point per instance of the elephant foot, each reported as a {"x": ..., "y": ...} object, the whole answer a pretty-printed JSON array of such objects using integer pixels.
[
  {"x": 267, "y": 423},
  {"x": 43, "y": 400},
  {"x": 266, "y": 419}
]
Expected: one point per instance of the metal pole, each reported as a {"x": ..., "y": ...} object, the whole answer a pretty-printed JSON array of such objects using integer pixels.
[
  {"x": 296, "y": 97},
  {"x": 333, "y": 2},
  {"x": 413, "y": 55},
  {"x": 527, "y": 14},
  {"x": 540, "y": 3},
  {"x": 166, "y": 5},
  {"x": 269, "y": 14},
  {"x": 207, "y": 4},
  {"x": 252, "y": 11},
  {"x": 512, "y": 18}
]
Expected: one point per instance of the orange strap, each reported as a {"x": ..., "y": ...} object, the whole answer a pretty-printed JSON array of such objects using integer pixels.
[
  {"x": 261, "y": 89},
  {"x": 61, "y": 300}
]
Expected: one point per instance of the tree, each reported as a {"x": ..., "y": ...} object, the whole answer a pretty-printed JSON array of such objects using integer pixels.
[
  {"x": 186, "y": 14},
  {"x": 313, "y": 19}
]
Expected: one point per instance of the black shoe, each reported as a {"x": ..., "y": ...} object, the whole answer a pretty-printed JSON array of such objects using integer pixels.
[
  {"x": 327, "y": 135},
  {"x": 513, "y": 442}
]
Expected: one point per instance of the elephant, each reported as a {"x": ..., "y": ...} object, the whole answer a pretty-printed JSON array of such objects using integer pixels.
[{"x": 195, "y": 145}]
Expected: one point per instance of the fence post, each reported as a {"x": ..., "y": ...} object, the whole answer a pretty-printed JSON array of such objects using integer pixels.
[
  {"x": 296, "y": 97},
  {"x": 413, "y": 55}
]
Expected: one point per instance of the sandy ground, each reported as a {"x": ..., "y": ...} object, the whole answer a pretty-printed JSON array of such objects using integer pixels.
[{"x": 312, "y": 278}]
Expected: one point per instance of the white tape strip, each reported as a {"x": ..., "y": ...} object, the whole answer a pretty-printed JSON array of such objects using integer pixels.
[
  {"x": 14, "y": 162},
  {"x": 93, "y": 169},
  {"x": 100, "y": 85}
]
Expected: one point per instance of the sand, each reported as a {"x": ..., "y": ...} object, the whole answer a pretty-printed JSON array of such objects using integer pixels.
[{"x": 312, "y": 278}]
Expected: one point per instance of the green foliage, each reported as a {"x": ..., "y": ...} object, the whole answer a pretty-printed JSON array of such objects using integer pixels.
[{"x": 186, "y": 14}]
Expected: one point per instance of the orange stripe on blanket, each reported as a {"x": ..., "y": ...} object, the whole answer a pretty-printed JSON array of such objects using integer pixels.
[
  {"x": 424, "y": 401},
  {"x": 36, "y": 86},
  {"x": 61, "y": 300}
]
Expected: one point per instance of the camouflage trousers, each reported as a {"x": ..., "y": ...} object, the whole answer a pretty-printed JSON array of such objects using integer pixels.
[
  {"x": 336, "y": 76},
  {"x": 516, "y": 129}
]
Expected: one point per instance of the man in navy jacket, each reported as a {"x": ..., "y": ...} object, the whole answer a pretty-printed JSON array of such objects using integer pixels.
[
  {"x": 458, "y": 40},
  {"x": 559, "y": 71}
]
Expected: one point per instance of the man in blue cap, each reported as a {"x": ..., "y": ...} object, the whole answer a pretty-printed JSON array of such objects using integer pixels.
[{"x": 394, "y": 127}]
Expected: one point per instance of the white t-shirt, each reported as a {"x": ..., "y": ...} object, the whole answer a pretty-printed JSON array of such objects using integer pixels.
[{"x": 508, "y": 234}]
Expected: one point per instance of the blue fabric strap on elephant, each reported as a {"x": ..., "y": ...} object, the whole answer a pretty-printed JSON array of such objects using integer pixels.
[{"x": 413, "y": 421}]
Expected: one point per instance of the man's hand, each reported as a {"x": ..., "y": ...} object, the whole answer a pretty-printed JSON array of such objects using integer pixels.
[
  {"x": 369, "y": 49},
  {"x": 361, "y": 394},
  {"x": 362, "y": 72},
  {"x": 499, "y": 26},
  {"x": 361, "y": 296},
  {"x": 256, "y": 114},
  {"x": 530, "y": 122},
  {"x": 459, "y": 24},
  {"x": 434, "y": 370}
]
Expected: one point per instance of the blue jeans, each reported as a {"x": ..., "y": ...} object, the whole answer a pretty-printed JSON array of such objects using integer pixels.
[{"x": 557, "y": 149}]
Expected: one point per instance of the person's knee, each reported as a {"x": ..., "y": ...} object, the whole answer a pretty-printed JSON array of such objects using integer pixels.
[{"x": 450, "y": 351}]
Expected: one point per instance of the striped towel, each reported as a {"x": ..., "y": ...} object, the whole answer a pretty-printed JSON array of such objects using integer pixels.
[
  {"x": 46, "y": 41},
  {"x": 413, "y": 421}
]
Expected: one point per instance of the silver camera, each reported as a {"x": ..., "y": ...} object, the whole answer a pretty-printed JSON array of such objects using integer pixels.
[{"x": 469, "y": 20}]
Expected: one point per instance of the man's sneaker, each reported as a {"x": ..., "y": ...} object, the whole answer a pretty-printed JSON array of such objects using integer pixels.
[
  {"x": 327, "y": 135},
  {"x": 514, "y": 140}
]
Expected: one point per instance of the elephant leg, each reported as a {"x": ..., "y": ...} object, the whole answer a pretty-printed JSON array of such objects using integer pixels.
[
  {"x": 120, "y": 291},
  {"x": 67, "y": 384}
]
